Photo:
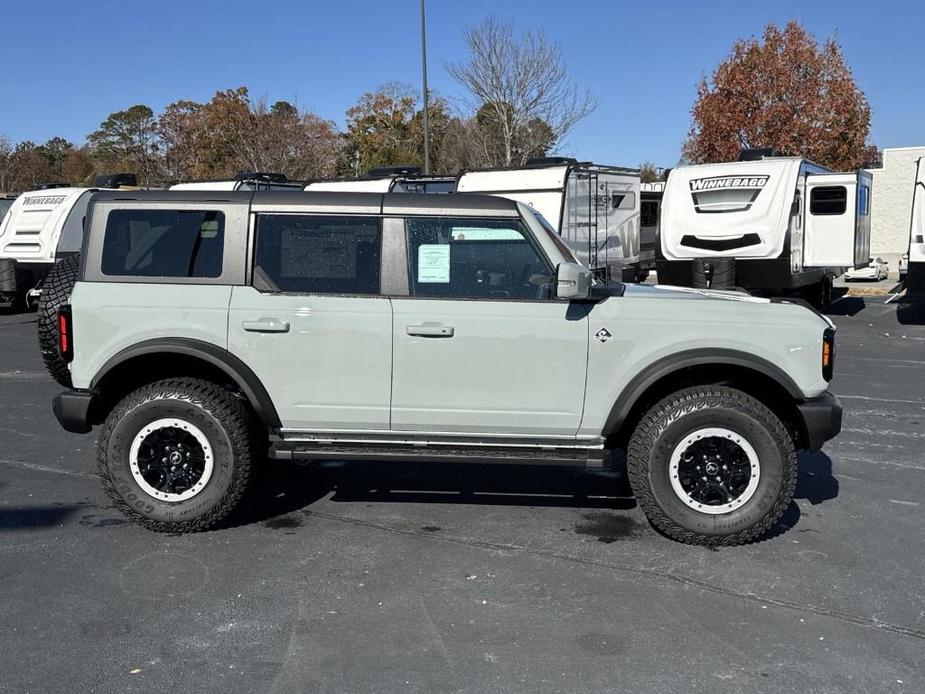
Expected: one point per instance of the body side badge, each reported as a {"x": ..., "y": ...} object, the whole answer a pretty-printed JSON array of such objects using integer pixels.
[{"x": 603, "y": 335}]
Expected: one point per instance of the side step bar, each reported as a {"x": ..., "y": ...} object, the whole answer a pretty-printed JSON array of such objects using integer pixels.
[{"x": 590, "y": 454}]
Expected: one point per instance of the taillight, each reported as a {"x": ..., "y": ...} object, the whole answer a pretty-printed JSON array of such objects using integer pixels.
[
  {"x": 65, "y": 333},
  {"x": 828, "y": 353}
]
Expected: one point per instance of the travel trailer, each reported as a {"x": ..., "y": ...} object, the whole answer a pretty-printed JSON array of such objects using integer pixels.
[
  {"x": 768, "y": 224},
  {"x": 39, "y": 228},
  {"x": 593, "y": 208},
  {"x": 388, "y": 179},
  {"x": 915, "y": 275},
  {"x": 243, "y": 181}
]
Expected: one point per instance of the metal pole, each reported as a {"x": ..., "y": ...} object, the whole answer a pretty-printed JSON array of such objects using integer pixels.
[{"x": 424, "y": 75}]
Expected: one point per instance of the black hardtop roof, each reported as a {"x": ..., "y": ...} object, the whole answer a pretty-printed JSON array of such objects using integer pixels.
[{"x": 385, "y": 202}]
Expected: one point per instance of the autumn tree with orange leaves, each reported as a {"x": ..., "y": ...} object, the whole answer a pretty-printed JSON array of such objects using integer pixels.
[{"x": 786, "y": 92}]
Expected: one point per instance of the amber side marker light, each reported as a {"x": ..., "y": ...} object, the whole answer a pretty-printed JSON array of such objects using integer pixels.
[{"x": 828, "y": 354}]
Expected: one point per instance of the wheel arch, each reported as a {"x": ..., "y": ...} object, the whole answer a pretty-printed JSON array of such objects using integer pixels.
[
  {"x": 756, "y": 376},
  {"x": 159, "y": 358}
]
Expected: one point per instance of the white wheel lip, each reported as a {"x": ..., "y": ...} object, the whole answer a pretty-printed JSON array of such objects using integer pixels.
[
  {"x": 191, "y": 429},
  {"x": 714, "y": 432}
]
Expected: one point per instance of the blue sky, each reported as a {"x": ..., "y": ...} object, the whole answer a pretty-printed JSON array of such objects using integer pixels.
[{"x": 68, "y": 64}]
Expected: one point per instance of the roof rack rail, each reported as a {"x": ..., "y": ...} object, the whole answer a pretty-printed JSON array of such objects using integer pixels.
[
  {"x": 383, "y": 171},
  {"x": 268, "y": 176},
  {"x": 115, "y": 180},
  {"x": 550, "y": 161}
]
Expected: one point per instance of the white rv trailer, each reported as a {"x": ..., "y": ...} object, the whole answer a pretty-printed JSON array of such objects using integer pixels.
[
  {"x": 40, "y": 227},
  {"x": 243, "y": 181},
  {"x": 594, "y": 208},
  {"x": 389, "y": 179},
  {"x": 767, "y": 224},
  {"x": 915, "y": 276}
]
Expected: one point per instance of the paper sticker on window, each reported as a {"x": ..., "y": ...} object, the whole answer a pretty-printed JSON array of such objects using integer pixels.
[
  {"x": 482, "y": 234},
  {"x": 434, "y": 263}
]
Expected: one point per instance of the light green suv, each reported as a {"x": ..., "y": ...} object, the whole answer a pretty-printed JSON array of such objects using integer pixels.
[{"x": 206, "y": 330}]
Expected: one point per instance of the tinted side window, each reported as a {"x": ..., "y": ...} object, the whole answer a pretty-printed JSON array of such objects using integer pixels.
[
  {"x": 648, "y": 213},
  {"x": 828, "y": 200},
  {"x": 475, "y": 258},
  {"x": 321, "y": 255},
  {"x": 164, "y": 243},
  {"x": 72, "y": 233}
]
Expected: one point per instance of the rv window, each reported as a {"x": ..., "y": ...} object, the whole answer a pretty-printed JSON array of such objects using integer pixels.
[
  {"x": 72, "y": 233},
  {"x": 622, "y": 200},
  {"x": 318, "y": 255},
  {"x": 828, "y": 200},
  {"x": 864, "y": 201},
  {"x": 475, "y": 259},
  {"x": 163, "y": 243}
]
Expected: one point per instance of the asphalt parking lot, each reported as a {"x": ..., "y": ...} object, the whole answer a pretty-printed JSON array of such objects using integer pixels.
[{"x": 383, "y": 578}]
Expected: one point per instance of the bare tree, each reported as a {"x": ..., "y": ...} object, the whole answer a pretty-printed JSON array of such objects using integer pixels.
[
  {"x": 514, "y": 83},
  {"x": 6, "y": 154}
]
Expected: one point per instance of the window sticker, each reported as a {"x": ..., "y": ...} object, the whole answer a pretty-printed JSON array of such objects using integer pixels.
[
  {"x": 434, "y": 264},
  {"x": 482, "y": 234}
]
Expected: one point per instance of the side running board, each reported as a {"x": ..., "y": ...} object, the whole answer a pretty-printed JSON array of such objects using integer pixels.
[{"x": 453, "y": 449}]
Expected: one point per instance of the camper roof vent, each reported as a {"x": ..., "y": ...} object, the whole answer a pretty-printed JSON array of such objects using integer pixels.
[
  {"x": 550, "y": 161},
  {"x": 758, "y": 153},
  {"x": 383, "y": 171},
  {"x": 115, "y": 180},
  {"x": 266, "y": 176}
]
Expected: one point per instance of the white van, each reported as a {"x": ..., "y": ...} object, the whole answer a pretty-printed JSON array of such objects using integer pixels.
[
  {"x": 39, "y": 228},
  {"x": 915, "y": 275},
  {"x": 768, "y": 224},
  {"x": 594, "y": 208}
]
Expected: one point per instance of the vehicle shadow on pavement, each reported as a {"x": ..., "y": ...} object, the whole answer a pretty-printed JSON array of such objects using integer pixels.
[
  {"x": 286, "y": 487},
  {"x": 815, "y": 483},
  {"x": 846, "y": 306},
  {"x": 33, "y": 517}
]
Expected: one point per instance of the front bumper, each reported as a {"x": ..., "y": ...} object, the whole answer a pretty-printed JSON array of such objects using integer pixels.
[
  {"x": 821, "y": 419},
  {"x": 72, "y": 408}
]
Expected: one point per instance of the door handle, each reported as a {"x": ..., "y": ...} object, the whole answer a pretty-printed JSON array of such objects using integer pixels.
[
  {"x": 266, "y": 325},
  {"x": 430, "y": 330}
]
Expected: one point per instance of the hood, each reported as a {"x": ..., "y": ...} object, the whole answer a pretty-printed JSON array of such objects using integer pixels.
[{"x": 665, "y": 291}]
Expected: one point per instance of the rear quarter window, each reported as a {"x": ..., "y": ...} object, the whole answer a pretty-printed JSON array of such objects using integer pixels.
[{"x": 163, "y": 243}]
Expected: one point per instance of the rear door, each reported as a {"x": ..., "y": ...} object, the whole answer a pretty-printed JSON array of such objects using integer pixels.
[
  {"x": 480, "y": 347},
  {"x": 312, "y": 323},
  {"x": 837, "y": 230}
]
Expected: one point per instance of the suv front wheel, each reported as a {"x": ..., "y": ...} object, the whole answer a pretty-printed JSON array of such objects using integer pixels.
[
  {"x": 711, "y": 465},
  {"x": 175, "y": 456}
]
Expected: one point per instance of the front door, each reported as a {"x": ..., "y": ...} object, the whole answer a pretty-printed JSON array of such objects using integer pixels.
[
  {"x": 313, "y": 326},
  {"x": 835, "y": 220},
  {"x": 480, "y": 347}
]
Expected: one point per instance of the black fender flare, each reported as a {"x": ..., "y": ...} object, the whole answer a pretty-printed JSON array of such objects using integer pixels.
[
  {"x": 237, "y": 370},
  {"x": 665, "y": 366}
]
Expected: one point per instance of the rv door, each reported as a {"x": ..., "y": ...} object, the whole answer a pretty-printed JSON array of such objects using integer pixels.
[{"x": 837, "y": 229}]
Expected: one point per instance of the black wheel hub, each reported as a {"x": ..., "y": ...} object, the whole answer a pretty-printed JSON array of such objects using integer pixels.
[
  {"x": 714, "y": 471},
  {"x": 171, "y": 460}
]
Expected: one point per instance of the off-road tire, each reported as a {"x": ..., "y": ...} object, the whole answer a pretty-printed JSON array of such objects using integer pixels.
[
  {"x": 666, "y": 424},
  {"x": 56, "y": 291},
  {"x": 221, "y": 416}
]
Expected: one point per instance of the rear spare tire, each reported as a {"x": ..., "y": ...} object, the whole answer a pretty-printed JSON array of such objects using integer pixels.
[
  {"x": 711, "y": 465},
  {"x": 56, "y": 291}
]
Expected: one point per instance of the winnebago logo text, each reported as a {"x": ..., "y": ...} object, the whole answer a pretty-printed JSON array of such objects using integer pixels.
[
  {"x": 44, "y": 200},
  {"x": 728, "y": 182}
]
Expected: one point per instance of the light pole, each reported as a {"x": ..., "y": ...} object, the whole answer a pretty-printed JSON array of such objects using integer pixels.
[{"x": 424, "y": 80}]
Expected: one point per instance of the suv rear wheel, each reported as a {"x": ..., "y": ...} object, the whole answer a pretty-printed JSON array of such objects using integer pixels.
[
  {"x": 712, "y": 465},
  {"x": 175, "y": 456}
]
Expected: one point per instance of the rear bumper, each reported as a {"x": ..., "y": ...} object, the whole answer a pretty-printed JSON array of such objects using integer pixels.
[
  {"x": 821, "y": 419},
  {"x": 72, "y": 408}
]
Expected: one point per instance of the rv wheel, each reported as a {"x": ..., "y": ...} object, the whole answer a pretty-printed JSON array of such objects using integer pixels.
[{"x": 56, "y": 291}]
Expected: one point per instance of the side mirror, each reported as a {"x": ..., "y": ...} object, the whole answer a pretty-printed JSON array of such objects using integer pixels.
[{"x": 573, "y": 281}]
